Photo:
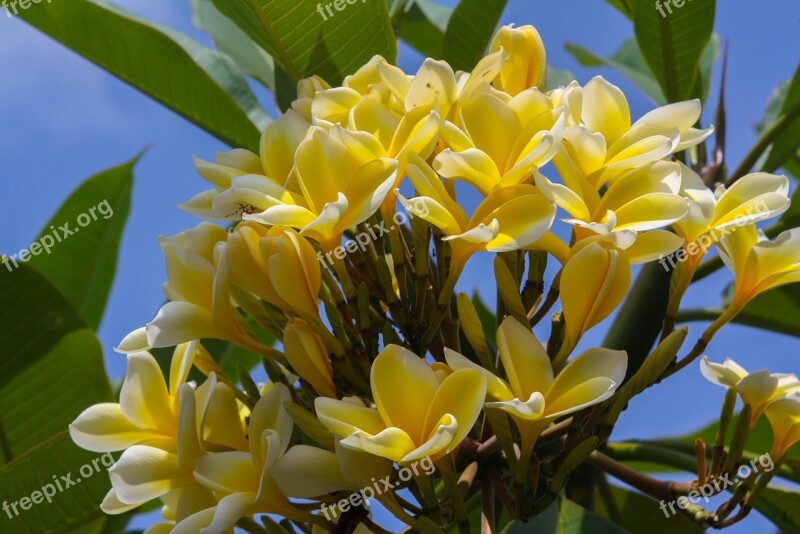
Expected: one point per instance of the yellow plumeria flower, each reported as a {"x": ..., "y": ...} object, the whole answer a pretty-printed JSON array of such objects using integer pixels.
[
  {"x": 198, "y": 287},
  {"x": 344, "y": 179},
  {"x": 756, "y": 389},
  {"x": 502, "y": 140},
  {"x": 753, "y": 198},
  {"x": 367, "y": 104},
  {"x": 147, "y": 413},
  {"x": 644, "y": 198},
  {"x": 306, "y": 353},
  {"x": 510, "y": 218},
  {"x": 533, "y": 395},
  {"x": 144, "y": 473},
  {"x": 759, "y": 264},
  {"x": 248, "y": 183},
  {"x": 278, "y": 265},
  {"x": 435, "y": 87},
  {"x": 432, "y": 421},
  {"x": 594, "y": 280},
  {"x": 607, "y": 145},
  {"x": 713, "y": 215},
  {"x": 243, "y": 476},
  {"x": 527, "y": 61},
  {"x": 784, "y": 417}
]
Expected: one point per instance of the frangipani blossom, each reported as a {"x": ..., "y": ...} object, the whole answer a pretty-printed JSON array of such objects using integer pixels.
[
  {"x": 759, "y": 264},
  {"x": 148, "y": 411},
  {"x": 756, "y": 389},
  {"x": 526, "y": 66},
  {"x": 435, "y": 87},
  {"x": 504, "y": 139},
  {"x": 510, "y": 218},
  {"x": 784, "y": 417},
  {"x": 534, "y": 394},
  {"x": 144, "y": 473},
  {"x": 243, "y": 478},
  {"x": 344, "y": 178},
  {"x": 639, "y": 247},
  {"x": 644, "y": 198},
  {"x": 418, "y": 413},
  {"x": 751, "y": 199},
  {"x": 367, "y": 104},
  {"x": 606, "y": 145},
  {"x": 248, "y": 183},
  {"x": 198, "y": 287},
  {"x": 278, "y": 265}
]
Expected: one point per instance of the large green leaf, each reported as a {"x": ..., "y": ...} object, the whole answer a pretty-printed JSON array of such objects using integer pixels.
[
  {"x": 469, "y": 31},
  {"x": 786, "y": 146},
  {"x": 673, "y": 43},
  {"x": 306, "y": 39},
  {"x": 638, "y": 513},
  {"x": 197, "y": 83},
  {"x": 51, "y": 370},
  {"x": 230, "y": 40},
  {"x": 565, "y": 517},
  {"x": 82, "y": 240},
  {"x": 781, "y": 506},
  {"x": 424, "y": 25},
  {"x": 629, "y": 61}
]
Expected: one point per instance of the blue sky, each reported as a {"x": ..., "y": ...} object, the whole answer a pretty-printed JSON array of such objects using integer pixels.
[{"x": 62, "y": 119}]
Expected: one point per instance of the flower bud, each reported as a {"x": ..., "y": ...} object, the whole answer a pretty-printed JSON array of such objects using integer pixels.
[
  {"x": 308, "y": 357},
  {"x": 278, "y": 265},
  {"x": 527, "y": 63}
]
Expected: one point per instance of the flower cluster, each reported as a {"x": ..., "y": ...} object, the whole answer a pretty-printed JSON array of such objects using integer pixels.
[{"x": 381, "y": 364}]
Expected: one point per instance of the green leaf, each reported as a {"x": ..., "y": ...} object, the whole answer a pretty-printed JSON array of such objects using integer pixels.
[
  {"x": 469, "y": 31},
  {"x": 75, "y": 507},
  {"x": 487, "y": 317},
  {"x": 82, "y": 240},
  {"x": 565, "y": 517},
  {"x": 786, "y": 146},
  {"x": 424, "y": 25},
  {"x": 623, "y": 6},
  {"x": 781, "y": 507},
  {"x": 638, "y": 513},
  {"x": 672, "y": 44},
  {"x": 627, "y": 60},
  {"x": 777, "y": 310},
  {"x": 45, "y": 343},
  {"x": 230, "y": 40},
  {"x": 306, "y": 40},
  {"x": 710, "y": 56},
  {"x": 197, "y": 83}
]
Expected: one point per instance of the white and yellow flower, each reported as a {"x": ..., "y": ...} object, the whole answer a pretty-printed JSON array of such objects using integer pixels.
[{"x": 403, "y": 427}]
